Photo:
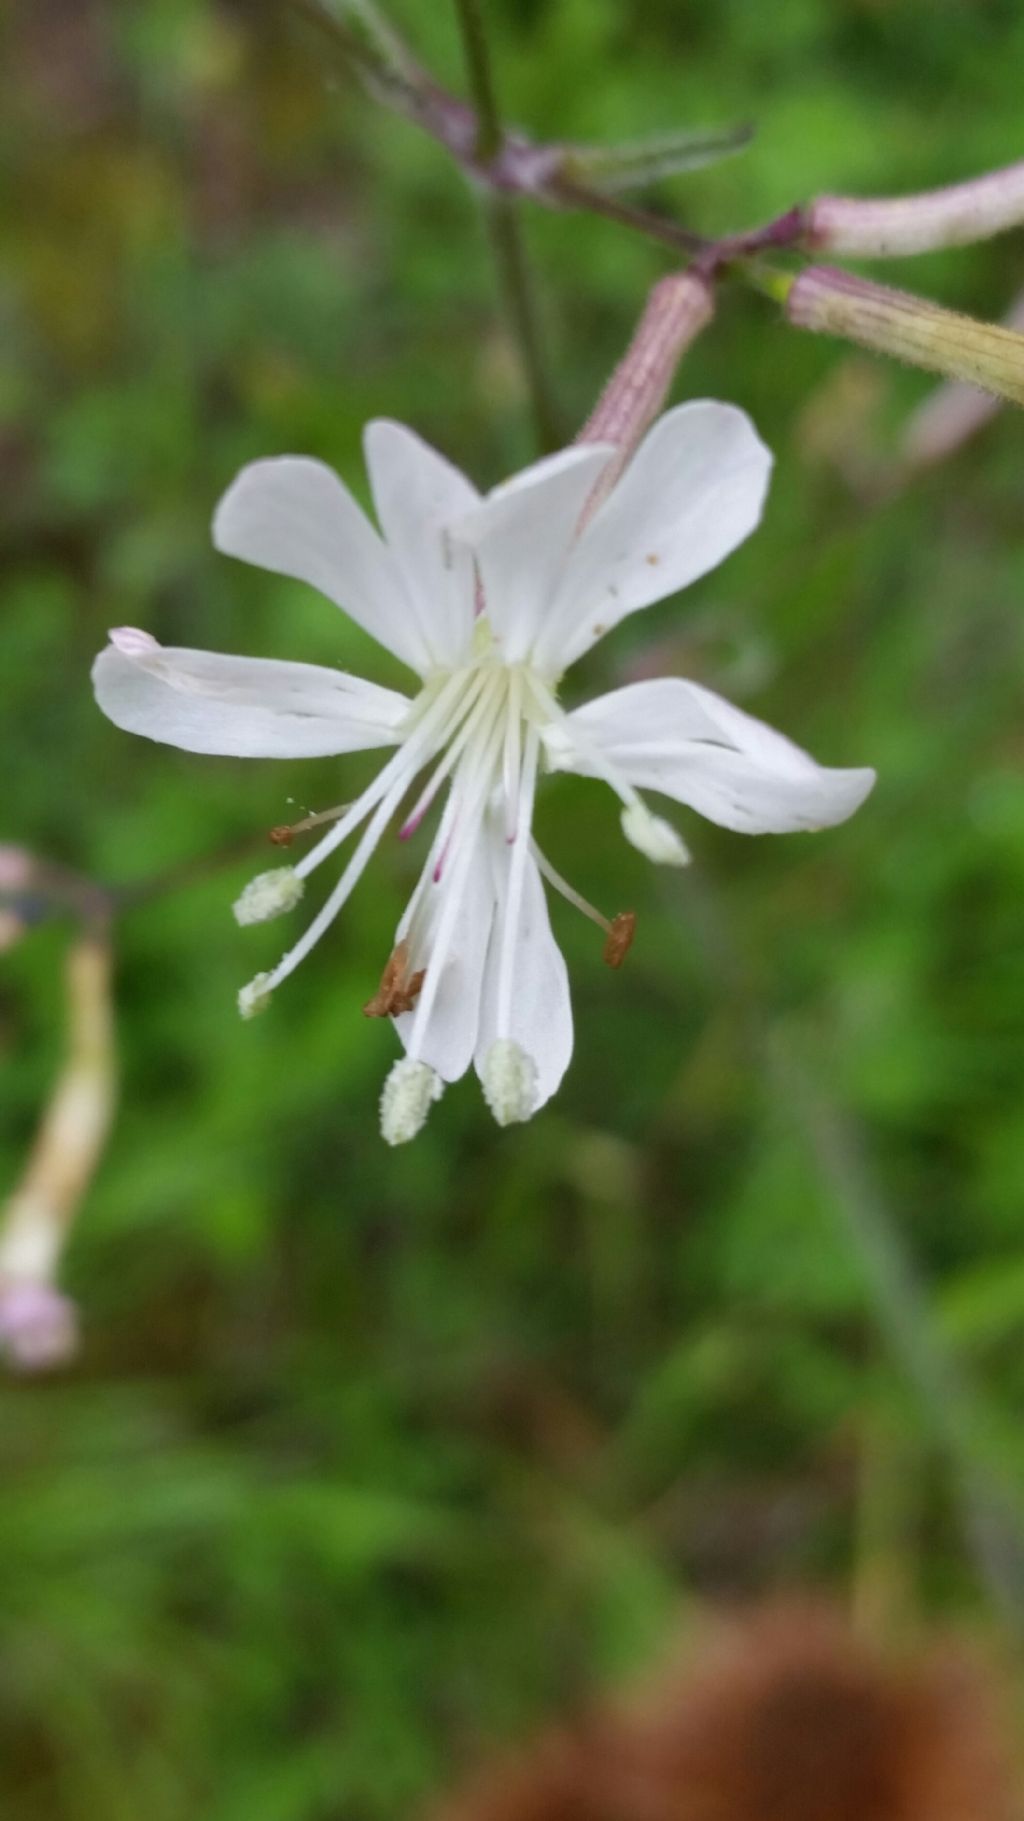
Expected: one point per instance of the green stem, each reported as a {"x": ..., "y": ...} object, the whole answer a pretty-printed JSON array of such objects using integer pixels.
[
  {"x": 991, "y": 1517},
  {"x": 515, "y": 281},
  {"x": 489, "y": 132},
  {"x": 394, "y": 77},
  {"x": 989, "y": 1505},
  {"x": 575, "y": 195}
]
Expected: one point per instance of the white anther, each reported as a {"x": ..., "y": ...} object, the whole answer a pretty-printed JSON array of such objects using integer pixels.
[
  {"x": 654, "y": 837},
  {"x": 269, "y": 895},
  {"x": 255, "y": 997},
  {"x": 406, "y": 1099},
  {"x": 509, "y": 1082}
]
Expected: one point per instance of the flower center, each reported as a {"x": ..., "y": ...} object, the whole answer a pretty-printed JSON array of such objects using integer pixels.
[{"x": 475, "y": 733}]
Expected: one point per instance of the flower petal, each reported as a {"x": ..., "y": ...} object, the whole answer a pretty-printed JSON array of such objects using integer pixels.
[
  {"x": 293, "y": 515},
  {"x": 521, "y": 535},
  {"x": 692, "y": 492},
  {"x": 251, "y": 708},
  {"x": 541, "y": 1017},
  {"x": 677, "y": 737},
  {"x": 418, "y": 495},
  {"x": 449, "y": 1038}
]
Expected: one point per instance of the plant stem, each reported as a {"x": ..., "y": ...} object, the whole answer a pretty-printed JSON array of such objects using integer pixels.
[
  {"x": 519, "y": 296},
  {"x": 508, "y": 247},
  {"x": 508, "y": 167},
  {"x": 989, "y": 1505},
  {"x": 991, "y": 1517},
  {"x": 489, "y": 133},
  {"x": 576, "y": 195}
]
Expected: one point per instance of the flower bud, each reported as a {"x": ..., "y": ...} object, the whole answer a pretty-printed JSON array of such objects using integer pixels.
[
  {"x": 955, "y": 216},
  {"x": 132, "y": 641},
  {"x": 678, "y": 308},
  {"x": 951, "y": 415},
  {"x": 909, "y": 328},
  {"x": 38, "y": 1326}
]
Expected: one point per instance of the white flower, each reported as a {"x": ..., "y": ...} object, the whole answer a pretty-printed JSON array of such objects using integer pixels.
[{"x": 488, "y": 600}]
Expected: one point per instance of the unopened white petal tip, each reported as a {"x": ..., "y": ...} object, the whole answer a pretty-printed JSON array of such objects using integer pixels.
[{"x": 132, "y": 641}]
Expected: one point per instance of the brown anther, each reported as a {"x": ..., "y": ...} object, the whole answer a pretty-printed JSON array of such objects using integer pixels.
[
  {"x": 283, "y": 835},
  {"x": 398, "y": 990},
  {"x": 620, "y": 938}
]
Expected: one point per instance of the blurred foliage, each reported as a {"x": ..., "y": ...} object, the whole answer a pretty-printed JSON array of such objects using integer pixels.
[{"x": 373, "y": 1456}]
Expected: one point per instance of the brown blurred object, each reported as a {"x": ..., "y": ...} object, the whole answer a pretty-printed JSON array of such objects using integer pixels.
[{"x": 782, "y": 1716}]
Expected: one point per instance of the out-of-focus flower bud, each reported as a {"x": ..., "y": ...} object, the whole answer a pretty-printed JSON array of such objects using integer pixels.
[
  {"x": 952, "y": 414},
  {"x": 17, "y": 868},
  {"x": 909, "y": 328},
  {"x": 38, "y": 1326}
]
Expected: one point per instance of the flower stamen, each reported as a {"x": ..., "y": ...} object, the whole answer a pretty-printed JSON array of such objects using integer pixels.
[
  {"x": 620, "y": 938},
  {"x": 569, "y": 892},
  {"x": 269, "y": 895},
  {"x": 479, "y": 767},
  {"x": 509, "y": 1082},
  {"x": 512, "y": 757},
  {"x": 481, "y": 693},
  {"x": 429, "y": 727},
  {"x": 619, "y": 929},
  {"x": 285, "y": 833},
  {"x": 406, "y": 1098},
  {"x": 553, "y": 712},
  {"x": 517, "y": 878}
]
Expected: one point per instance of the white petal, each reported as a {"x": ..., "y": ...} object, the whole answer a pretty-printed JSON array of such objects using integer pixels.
[
  {"x": 293, "y": 515},
  {"x": 450, "y": 1036},
  {"x": 521, "y": 534},
  {"x": 418, "y": 496},
  {"x": 250, "y": 708},
  {"x": 677, "y": 737},
  {"x": 692, "y": 492},
  {"x": 541, "y": 1017}
]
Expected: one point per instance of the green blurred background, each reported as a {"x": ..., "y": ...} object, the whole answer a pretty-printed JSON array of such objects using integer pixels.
[{"x": 371, "y": 1457}]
